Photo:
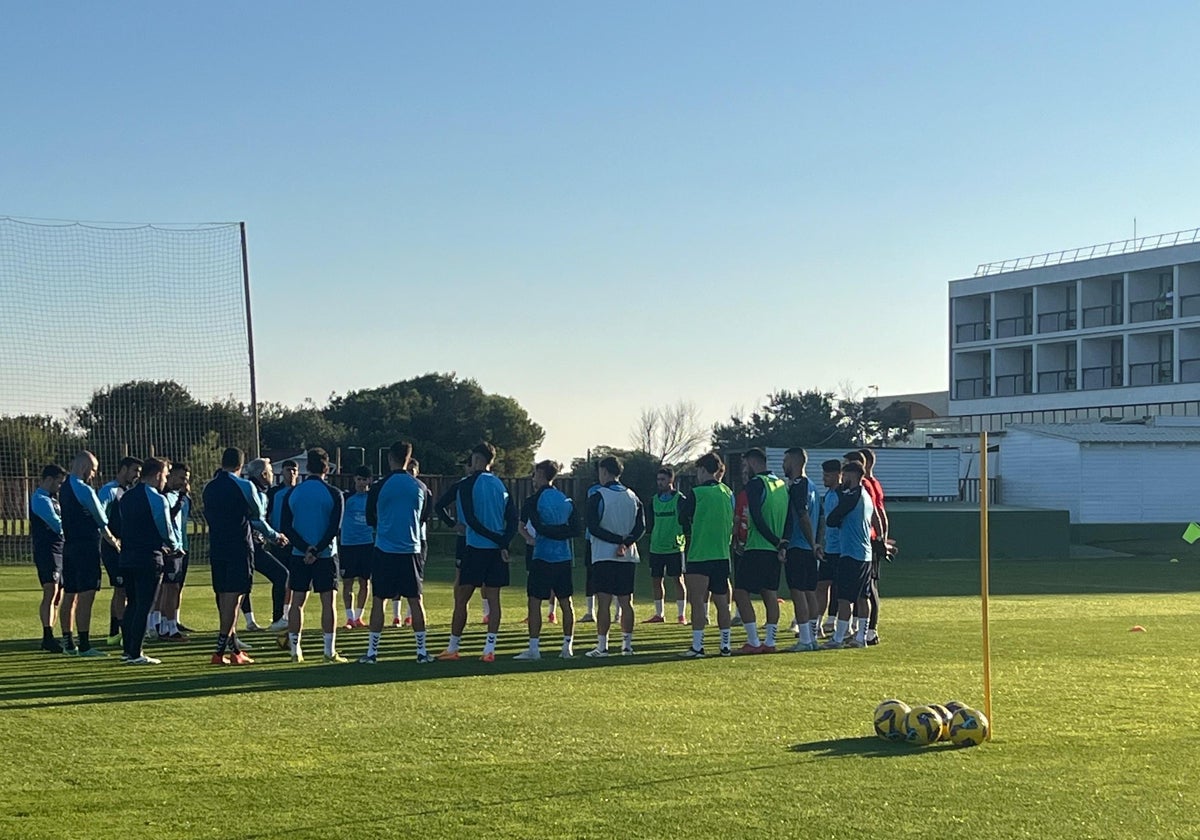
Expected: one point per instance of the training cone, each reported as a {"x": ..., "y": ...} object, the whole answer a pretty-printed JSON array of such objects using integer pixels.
[
  {"x": 1137, "y": 628},
  {"x": 1192, "y": 533}
]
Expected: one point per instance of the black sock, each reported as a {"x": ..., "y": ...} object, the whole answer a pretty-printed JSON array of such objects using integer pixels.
[
  {"x": 68, "y": 640},
  {"x": 114, "y": 625},
  {"x": 47, "y": 634},
  {"x": 222, "y": 644},
  {"x": 85, "y": 640}
]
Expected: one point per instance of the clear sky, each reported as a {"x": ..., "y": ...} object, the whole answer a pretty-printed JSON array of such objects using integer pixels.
[{"x": 600, "y": 207}]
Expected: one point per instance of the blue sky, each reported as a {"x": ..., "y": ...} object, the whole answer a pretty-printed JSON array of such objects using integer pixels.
[{"x": 601, "y": 207}]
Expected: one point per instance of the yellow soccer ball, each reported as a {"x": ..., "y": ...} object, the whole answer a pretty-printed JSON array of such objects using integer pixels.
[
  {"x": 945, "y": 714},
  {"x": 889, "y": 720},
  {"x": 922, "y": 725},
  {"x": 968, "y": 728}
]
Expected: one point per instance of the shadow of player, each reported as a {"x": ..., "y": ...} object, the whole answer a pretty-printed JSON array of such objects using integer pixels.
[{"x": 869, "y": 746}]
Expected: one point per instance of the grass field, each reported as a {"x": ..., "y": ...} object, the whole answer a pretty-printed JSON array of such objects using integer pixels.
[{"x": 1094, "y": 730}]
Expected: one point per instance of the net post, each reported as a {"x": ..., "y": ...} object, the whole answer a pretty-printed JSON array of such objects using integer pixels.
[
  {"x": 250, "y": 340},
  {"x": 984, "y": 575}
]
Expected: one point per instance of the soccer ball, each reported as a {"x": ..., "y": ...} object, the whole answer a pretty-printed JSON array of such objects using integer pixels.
[
  {"x": 922, "y": 725},
  {"x": 954, "y": 705},
  {"x": 945, "y": 714},
  {"x": 968, "y": 728},
  {"x": 889, "y": 720}
]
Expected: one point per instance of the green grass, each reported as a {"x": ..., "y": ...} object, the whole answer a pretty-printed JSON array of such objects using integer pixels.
[{"x": 1093, "y": 727}]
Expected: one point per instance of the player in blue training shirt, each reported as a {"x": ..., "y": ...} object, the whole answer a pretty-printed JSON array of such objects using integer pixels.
[
  {"x": 85, "y": 524},
  {"x": 175, "y": 567},
  {"x": 289, "y": 474},
  {"x": 490, "y": 517},
  {"x": 356, "y": 546},
  {"x": 414, "y": 469},
  {"x": 312, "y": 517},
  {"x": 801, "y": 557},
  {"x": 46, "y": 531},
  {"x": 554, "y": 522},
  {"x": 852, "y": 517}
]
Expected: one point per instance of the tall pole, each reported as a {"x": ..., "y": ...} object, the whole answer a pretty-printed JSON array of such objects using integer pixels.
[
  {"x": 984, "y": 574},
  {"x": 250, "y": 340}
]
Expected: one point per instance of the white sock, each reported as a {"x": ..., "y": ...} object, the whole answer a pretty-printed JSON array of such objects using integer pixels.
[
  {"x": 697, "y": 640},
  {"x": 250, "y": 618},
  {"x": 567, "y": 645},
  {"x": 329, "y": 644},
  {"x": 658, "y": 607},
  {"x": 726, "y": 636},
  {"x": 752, "y": 635},
  {"x": 627, "y": 641},
  {"x": 489, "y": 646},
  {"x": 420, "y": 634},
  {"x": 861, "y": 633},
  {"x": 155, "y": 618},
  {"x": 806, "y": 633},
  {"x": 681, "y": 606},
  {"x": 602, "y": 641},
  {"x": 349, "y": 613},
  {"x": 294, "y": 642},
  {"x": 452, "y": 646},
  {"x": 408, "y": 610},
  {"x": 772, "y": 629},
  {"x": 357, "y": 613},
  {"x": 839, "y": 633},
  {"x": 373, "y": 644},
  {"x": 171, "y": 628},
  {"x": 550, "y": 614},
  {"x": 395, "y": 610},
  {"x": 591, "y": 604},
  {"x": 535, "y": 645},
  {"x": 487, "y": 609}
]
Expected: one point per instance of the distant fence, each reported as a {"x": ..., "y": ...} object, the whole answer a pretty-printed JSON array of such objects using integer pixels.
[{"x": 968, "y": 491}]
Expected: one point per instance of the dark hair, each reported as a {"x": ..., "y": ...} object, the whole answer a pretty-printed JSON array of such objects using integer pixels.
[
  {"x": 612, "y": 464},
  {"x": 155, "y": 466},
  {"x": 853, "y": 467},
  {"x": 414, "y": 464},
  {"x": 53, "y": 471},
  {"x": 667, "y": 471},
  {"x": 400, "y": 452},
  {"x": 486, "y": 450},
  {"x": 180, "y": 465},
  {"x": 868, "y": 456},
  {"x": 318, "y": 461},
  {"x": 290, "y": 462},
  {"x": 855, "y": 457},
  {"x": 232, "y": 458},
  {"x": 833, "y": 465},
  {"x": 754, "y": 453},
  {"x": 798, "y": 452},
  {"x": 548, "y": 469},
  {"x": 128, "y": 462},
  {"x": 711, "y": 462},
  {"x": 362, "y": 472}
]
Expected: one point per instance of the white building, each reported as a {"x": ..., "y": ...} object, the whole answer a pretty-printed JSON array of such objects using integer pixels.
[
  {"x": 1105, "y": 332},
  {"x": 1105, "y": 472}
]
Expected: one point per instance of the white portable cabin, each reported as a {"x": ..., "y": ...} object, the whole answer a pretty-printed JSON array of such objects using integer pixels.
[
  {"x": 1106, "y": 473},
  {"x": 905, "y": 473}
]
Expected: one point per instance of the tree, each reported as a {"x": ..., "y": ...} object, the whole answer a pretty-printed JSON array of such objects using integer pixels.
[
  {"x": 442, "y": 416},
  {"x": 29, "y": 442},
  {"x": 787, "y": 418},
  {"x": 640, "y": 468},
  {"x": 869, "y": 425},
  {"x": 672, "y": 434},
  {"x": 295, "y": 429}
]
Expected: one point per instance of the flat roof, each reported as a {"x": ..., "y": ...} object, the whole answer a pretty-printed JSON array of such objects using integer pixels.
[{"x": 1111, "y": 432}]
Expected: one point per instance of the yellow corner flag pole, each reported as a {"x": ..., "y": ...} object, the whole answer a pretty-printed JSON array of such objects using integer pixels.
[{"x": 984, "y": 574}]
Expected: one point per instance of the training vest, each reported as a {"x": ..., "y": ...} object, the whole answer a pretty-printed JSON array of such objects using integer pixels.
[
  {"x": 774, "y": 513},
  {"x": 667, "y": 536},
  {"x": 712, "y": 523},
  {"x": 618, "y": 514}
]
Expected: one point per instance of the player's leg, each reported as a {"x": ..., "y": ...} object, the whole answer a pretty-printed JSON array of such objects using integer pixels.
[
  {"x": 374, "y": 631},
  {"x": 46, "y": 614},
  {"x": 325, "y": 584},
  {"x": 658, "y": 564},
  {"x": 603, "y": 619},
  {"x": 697, "y": 590},
  {"x": 228, "y": 604},
  {"x": 567, "y": 610},
  {"x": 675, "y": 572},
  {"x": 83, "y": 619},
  {"x": 296, "y": 622},
  {"x": 360, "y": 602},
  {"x": 537, "y": 589}
]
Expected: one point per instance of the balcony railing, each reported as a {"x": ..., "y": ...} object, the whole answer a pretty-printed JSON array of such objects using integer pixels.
[
  {"x": 1010, "y": 327},
  {"x": 1189, "y": 306},
  {"x": 970, "y": 389},
  {"x": 1014, "y": 384},
  {"x": 974, "y": 331},
  {"x": 1102, "y": 316},
  {"x": 1156, "y": 309},
  {"x": 1151, "y": 373},
  {"x": 1050, "y": 381},
  {"x": 1189, "y": 370},
  {"x": 1088, "y": 252},
  {"x": 1109, "y": 376},
  {"x": 1056, "y": 321}
]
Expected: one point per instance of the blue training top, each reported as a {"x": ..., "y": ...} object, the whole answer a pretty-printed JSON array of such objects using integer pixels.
[
  {"x": 355, "y": 530},
  {"x": 233, "y": 509},
  {"x": 312, "y": 516},
  {"x": 395, "y": 505},
  {"x": 487, "y": 507},
  {"x": 833, "y": 535},
  {"x": 83, "y": 516},
  {"x": 802, "y": 494},
  {"x": 45, "y": 526},
  {"x": 146, "y": 527},
  {"x": 553, "y": 510}
]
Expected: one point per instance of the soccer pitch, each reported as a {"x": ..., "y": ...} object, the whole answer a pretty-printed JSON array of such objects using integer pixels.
[{"x": 1093, "y": 725}]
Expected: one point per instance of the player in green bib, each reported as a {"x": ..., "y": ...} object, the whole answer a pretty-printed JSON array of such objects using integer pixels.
[
  {"x": 757, "y": 569},
  {"x": 666, "y": 545},
  {"x": 706, "y": 519}
]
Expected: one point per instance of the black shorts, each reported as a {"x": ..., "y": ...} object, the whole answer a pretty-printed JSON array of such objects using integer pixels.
[
  {"x": 545, "y": 578},
  {"x": 460, "y": 551},
  {"x": 354, "y": 561},
  {"x": 827, "y": 568},
  {"x": 801, "y": 570},
  {"x": 173, "y": 568},
  {"x": 49, "y": 566},
  {"x": 112, "y": 566},
  {"x": 671, "y": 563},
  {"x": 81, "y": 567},
  {"x": 232, "y": 574},
  {"x": 320, "y": 576},
  {"x": 757, "y": 570},
  {"x": 397, "y": 575},
  {"x": 717, "y": 572},
  {"x": 612, "y": 577},
  {"x": 483, "y": 567},
  {"x": 853, "y": 578}
]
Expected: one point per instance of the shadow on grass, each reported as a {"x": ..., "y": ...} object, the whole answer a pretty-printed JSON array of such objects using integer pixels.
[{"x": 869, "y": 746}]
